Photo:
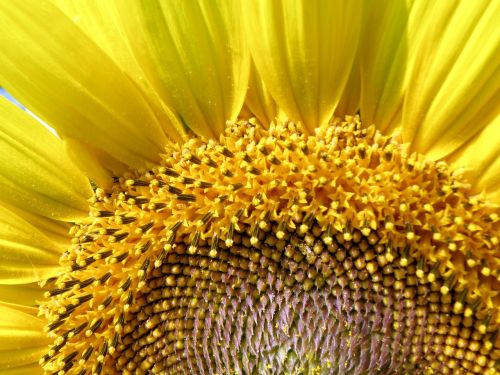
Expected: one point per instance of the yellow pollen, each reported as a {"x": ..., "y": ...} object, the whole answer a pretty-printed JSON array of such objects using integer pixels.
[{"x": 345, "y": 209}]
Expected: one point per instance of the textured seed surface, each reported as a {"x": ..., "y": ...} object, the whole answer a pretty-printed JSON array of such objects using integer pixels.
[{"x": 277, "y": 252}]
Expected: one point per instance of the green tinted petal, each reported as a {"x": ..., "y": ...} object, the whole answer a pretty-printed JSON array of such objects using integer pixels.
[
  {"x": 303, "y": 51},
  {"x": 35, "y": 172}
]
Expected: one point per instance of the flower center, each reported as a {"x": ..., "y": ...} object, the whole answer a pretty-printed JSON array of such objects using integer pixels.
[{"x": 272, "y": 251}]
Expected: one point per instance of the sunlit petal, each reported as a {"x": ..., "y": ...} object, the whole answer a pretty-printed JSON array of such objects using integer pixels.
[
  {"x": 259, "y": 100},
  {"x": 102, "y": 21},
  {"x": 26, "y": 254},
  {"x": 21, "y": 294},
  {"x": 36, "y": 173},
  {"x": 480, "y": 159},
  {"x": 304, "y": 50},
  {"x": 195, "y": 57},
  {"x": 81, "y": 92},
  {"x": 22, "y": 338},
  {"x": 453, "y": 88},
  {"x": 383, "y": 60}
]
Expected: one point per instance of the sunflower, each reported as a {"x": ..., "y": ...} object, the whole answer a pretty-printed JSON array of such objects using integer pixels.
[{"x": 299, "y": 187}]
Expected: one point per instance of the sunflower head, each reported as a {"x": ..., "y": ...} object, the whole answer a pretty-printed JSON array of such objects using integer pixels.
[{"x": 267, "y": 187}]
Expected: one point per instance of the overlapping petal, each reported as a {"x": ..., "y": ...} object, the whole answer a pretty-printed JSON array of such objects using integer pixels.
[
  {"x": 103, "y": 22},
  {"x": 26, "y": 254},
  {"x": 21, "y": 294},
  {"x": 36, "y": 173},
  {"x": 454, "y": 80},
  {"x": 259, "y": 99},
  {"x": 304, "y": 50},
  {"x": 54, "y": 69},
  {"x": 480, "y": 159},
  {"x": 383, "y": 56},
  {"x": 195, "y": 55},
  {"x": 22, "y": 340}
]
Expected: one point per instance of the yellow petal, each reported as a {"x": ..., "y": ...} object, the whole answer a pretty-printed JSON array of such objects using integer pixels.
[
  {"x": 31, "y": 369},
  {"x": 349, "y": 101},
  {"x": 454, "y": 80},
  {"x": 50, "y": 66},
  {"x": 23, "y": 294},
  {"x": 383, "y": 57},
  {"x": 101, "y": 21},
  {"x": 22, "y": 338},
  {"x": 194, "y": 54},
  {"x": 259, "y": 100},
  {"x": 481, "y": 160},
  {"x": 26, "y": 255},
  {"x": 55, "y": 230},
  {"x": 98, "y": 165},
  {"x": 304, "y": 50},
  {"x": 35, "y": 172}
]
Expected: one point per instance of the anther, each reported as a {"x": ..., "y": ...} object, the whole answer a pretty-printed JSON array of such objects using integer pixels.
[
  {"x": 236, "y": 187},
  {"x": 225, "y": 151},
  {"x": 86, "y": 238},
  {"x": 214, "y": 247},
  {"x": 159, "y": 206},
  {"x": 118, "y": 237},
  {"x": 105, "y": 278},
  {"x": 105, "y": 303},
  {"x": 445, "y": 289},
  {"x": 254, "y": 171},
  {"x": 119, "y": 258},
  {"x": 140, "y": 200},
  {"x": 126, "y": 220},
  {"x": 136, "y": 183},
  {"x": 254, "y": 239},
  {"x": 168, "y": 171},
  {"x": 205, "y": 218},
  {"x": 207, "y": 161},
  {"x": 98, "y": 368},
  {"x": 262, "y": 149},
  {"x": 143, "y": 248},
  {"x": 186, "y": 197},
  {"x": 229, "y": 236},
  {"x": 94, "y": 327},
  {"x": 66, "y": 367},
  {"x": 55, "y": 292},
  {"x": 186, "y": 180},
  {"x": 483, "y": 327},
  {"x": 226, "y": 172},
  {"x": 114, "y": 344},
  {"x": 85, "y": 298},
  {"x": 203, "y": 184},
  {"x": 78, "y": 329},
  {"x": 105, "y": 214},
  {"x": 70, "y": 357},
  {"x": 126, "y": 284},
  {"x": 103, "y": 351},
  {"x": 144, "y": 228},
  {"x": 86, "y": 282},
  {"x": 194, "y": 243},
  {"x": 54, "y": 325}
]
